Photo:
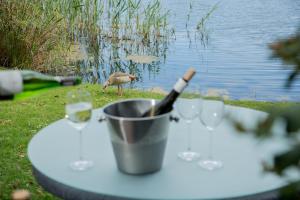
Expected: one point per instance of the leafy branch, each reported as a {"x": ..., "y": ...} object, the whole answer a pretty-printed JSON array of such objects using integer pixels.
[{"x": 288, "y": 50}]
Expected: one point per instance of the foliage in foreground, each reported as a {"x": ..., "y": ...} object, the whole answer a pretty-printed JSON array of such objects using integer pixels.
[{"x": 288, "y": 51}]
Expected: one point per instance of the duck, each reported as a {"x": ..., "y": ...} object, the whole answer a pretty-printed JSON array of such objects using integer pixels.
[{"x": 118, "y": 78}]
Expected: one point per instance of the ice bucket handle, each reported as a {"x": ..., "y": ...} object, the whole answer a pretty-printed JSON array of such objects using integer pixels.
[
  {"x": 174, "y": 118},
  {"x": 102, "y": 118}
]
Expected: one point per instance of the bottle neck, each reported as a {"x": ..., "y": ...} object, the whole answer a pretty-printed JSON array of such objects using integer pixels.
[{"x": 180, "y": 85}]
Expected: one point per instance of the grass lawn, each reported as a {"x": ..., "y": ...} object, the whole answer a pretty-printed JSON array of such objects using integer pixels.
[{"x": 21, "y": 119}]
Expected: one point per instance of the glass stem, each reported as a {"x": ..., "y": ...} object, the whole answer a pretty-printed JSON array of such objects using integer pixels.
[
  {"x": 210, "y": 147},
  {"x": 189, "y": 135},
  {"x": 80, "y": 146}
]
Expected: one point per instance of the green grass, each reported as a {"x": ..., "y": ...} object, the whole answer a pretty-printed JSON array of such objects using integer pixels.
[{"x": 21, "y": 119}]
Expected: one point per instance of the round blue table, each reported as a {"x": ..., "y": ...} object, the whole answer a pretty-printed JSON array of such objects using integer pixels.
[{"x": 54, "y": 147}]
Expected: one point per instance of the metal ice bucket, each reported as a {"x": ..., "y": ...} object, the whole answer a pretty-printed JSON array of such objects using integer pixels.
[{"x": 138, "y": 143}]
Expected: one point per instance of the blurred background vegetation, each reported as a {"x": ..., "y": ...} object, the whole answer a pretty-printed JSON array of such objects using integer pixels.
[{"x": 28, "y": 35}]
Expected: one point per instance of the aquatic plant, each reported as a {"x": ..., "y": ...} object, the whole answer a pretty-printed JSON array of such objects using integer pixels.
[
  {"x": 198, "y": 30},
  {"x": 128, "y": 27},
  {"x": 201, "y": 30}
]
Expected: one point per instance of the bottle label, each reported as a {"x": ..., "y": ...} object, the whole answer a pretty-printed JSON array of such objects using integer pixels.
[
  {"x": 11, "y": 82},
  {"x": 180, "y": 85}
]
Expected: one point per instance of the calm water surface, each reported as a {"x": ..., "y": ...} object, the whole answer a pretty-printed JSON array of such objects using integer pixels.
[{"x": 236, "y": 57}]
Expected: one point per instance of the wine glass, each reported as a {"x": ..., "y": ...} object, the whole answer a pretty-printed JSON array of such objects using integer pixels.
[
  {"x": 78, "y": 113},
  {"x": 189, "y": 106},
  {"x": 211, "y": 116}
]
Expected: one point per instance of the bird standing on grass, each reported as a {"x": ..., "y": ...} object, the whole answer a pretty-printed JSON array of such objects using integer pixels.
[{"x": 118, "y": 78}]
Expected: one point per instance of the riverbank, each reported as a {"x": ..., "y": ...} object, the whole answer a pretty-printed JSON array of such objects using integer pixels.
[{"x": 21, "y": 120}]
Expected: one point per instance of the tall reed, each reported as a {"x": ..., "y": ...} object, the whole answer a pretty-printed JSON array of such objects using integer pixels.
[{"x": 27, "y": 34}]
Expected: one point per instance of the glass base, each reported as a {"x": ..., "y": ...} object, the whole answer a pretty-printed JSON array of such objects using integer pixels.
[
  {"x": 81, "y": 165},
  {"x": 210, "y": 164},
  {"x": 189, "y": 156}
]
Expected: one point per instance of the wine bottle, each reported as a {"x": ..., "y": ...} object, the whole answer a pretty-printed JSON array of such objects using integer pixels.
[
  {"x": 166, "y": 105},
  {"x": 16, "y": 84}
]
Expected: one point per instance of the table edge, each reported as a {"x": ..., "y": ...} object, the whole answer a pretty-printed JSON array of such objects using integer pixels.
[{"x": 67, "y": 192}]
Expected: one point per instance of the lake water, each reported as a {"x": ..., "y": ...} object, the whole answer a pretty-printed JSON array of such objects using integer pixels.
[{"x": 236, "y": 58}]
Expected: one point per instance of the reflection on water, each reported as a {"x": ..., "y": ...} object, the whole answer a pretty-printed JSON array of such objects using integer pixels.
[
  {"x": 113, "y": 57},
  {"x": 120, "y": 32},
  {"x": 235, "y": 58}
]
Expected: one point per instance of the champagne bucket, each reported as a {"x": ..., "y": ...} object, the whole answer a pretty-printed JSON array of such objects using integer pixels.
[{"x": 138, "y": 143}]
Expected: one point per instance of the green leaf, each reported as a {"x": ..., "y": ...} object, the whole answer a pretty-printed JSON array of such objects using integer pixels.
[
  {"x": 291, "y": 191},
  {"x": 287, "y": 159},
  {"x": 292, "y": 117}
]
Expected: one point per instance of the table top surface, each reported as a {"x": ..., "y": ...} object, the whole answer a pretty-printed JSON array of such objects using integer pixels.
[{"x": 54, "y": 147}]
